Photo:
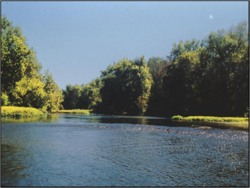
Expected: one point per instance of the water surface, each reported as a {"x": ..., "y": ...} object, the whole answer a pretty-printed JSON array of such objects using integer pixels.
[{"x": 95, "y": 150}]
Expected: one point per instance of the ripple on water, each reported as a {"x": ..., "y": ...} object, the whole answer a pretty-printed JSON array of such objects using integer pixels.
[{"x": 122, "y": 154}]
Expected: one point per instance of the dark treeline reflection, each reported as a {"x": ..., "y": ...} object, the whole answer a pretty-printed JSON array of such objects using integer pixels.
[{"x": 208, "y": 77}]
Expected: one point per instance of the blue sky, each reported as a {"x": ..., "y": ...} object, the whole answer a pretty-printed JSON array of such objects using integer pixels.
[{"x": 76, "y": 40}]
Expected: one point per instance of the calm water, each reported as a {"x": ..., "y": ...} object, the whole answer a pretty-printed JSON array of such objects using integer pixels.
[{"x": 74, "y": 150}]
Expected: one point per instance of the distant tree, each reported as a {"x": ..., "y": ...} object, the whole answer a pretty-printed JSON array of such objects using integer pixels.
[
  {"x": 90, "y": 95},
  {"x": 71, "y": 96},
  {"x": 157, "y": 68},
  {"x": 210, "y": 78},
  {"x": 179, "y": 49},
  {"x": 54, "y": 93},
  {"x": 126, "y": 87},
  {"x": 180, "y": 85},
  {"x": 226, "y": 59}
]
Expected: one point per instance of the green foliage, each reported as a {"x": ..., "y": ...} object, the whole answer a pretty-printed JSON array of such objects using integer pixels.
[
  {"x": 90, "y": 95},
  {"x": 225, "y": 66},
  {"x": 17, "y": 59},
  {"x": 54, "y": 93},
  {"x": 21, "y": 81},
  {"x": 157, "y": 68},
  {"x": 177, "y": 117},
  {"x": 247, "y": 113},
  {"x": 177, "y": 50},
  {"x": 71, "y": 96},
  {"x": 126, "y": 87},
  {"x": 30, "y": 92},
  {"x": 4, "y": 99},
  {"x": 208, "y": 78}
]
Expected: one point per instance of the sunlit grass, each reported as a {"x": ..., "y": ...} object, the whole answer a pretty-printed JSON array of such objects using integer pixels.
[
  {"x": 239, "y": 122},
  {"x": 177, "y": 117},
  {"x": 211, "y": 119},
  {"x": 73, "y": 111},
  {"x": 14, "y": 111},
  {"x": 216, "y": 119}
]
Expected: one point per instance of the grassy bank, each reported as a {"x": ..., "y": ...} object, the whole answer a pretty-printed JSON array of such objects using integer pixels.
[
  {"x": 73, "y": 111},
  {"x": 212, "y": 119},
  {"x": 14, "y": 111}
]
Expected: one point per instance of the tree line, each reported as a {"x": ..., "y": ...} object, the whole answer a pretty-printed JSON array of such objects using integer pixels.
[{"x": 207, "y": 77}]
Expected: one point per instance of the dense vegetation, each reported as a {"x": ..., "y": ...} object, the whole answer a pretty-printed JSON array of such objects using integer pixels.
[
  {"x": 207, "y": 77},
  {"x": 22, "y": 84}
]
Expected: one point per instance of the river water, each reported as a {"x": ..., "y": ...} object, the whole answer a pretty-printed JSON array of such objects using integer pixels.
[{"x": 95, "y": 150}]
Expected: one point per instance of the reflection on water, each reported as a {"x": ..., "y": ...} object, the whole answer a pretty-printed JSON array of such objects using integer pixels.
[
  {"x": 14, "y": 163},
  {"x": 45, "y": 118},
  {"x": 78, "y": 150},
  {"x": 145, "y": 120}
]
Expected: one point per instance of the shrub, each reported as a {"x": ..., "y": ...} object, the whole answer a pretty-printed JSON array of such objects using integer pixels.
[
  {"x": 4, "y": 99},
  {"x": 178, "y": 117}
]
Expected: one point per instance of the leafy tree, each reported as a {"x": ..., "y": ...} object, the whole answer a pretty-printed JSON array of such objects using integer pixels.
[
  {"x": 226, "y": 59},
  {"x": 126, "y": 87},
  {"x": 71, "y": 96},
  {"x": 29, "y": 92},
  {"x": 54, "y": 93},
  {"x": 157, "y": 68},
  {"x": 177, "y": 50},
  {"x": 21, "y": 81},
  {"x": 181, "y": 85},
  {"x": 17, "y": 59},
  {"x": 4, "y": 99},
  {"x": 90, "y": 95}
]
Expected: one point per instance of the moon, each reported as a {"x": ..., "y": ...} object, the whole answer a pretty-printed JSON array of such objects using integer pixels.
[{"x": 211, "y": 17}]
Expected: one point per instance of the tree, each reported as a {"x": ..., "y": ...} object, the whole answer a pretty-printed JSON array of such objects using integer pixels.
[
  {"x": 71, "y": 96},
  {"x": 181, "y": 85},
  {"x": 157, "y": 68},
  {"x": 179, "y": 49},
  {"x": 225, "y": 55},
  {"x": 126, "y": 87},
  {"x": 21, "y": 81},
  {"x": 29, "y": 92},
  {"x": 54, "y": 93},
  {"x": 17, "y": 59}
]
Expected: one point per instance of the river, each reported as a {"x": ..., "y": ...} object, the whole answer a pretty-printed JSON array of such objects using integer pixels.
[{"x": 96, "y": 150}]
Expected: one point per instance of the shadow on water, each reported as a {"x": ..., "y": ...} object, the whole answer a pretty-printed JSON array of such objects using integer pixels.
[
  {"x": 159, "y": 121},
  {"x": 13, "y": 164}
]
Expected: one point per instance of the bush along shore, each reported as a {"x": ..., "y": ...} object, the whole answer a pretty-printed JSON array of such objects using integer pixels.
[
  {"x": 18, "y": 112},
  {"x": 212, "y": 119},
  {"x": 73, "y": 111}
]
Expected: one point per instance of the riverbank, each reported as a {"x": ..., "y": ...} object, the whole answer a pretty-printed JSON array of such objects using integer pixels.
[
  {"x": 227, "y": 122},
  {"x": 17, "y": 112},
  {"x": 212, "y": 119},
  {"x": 73, "y": 111}
]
